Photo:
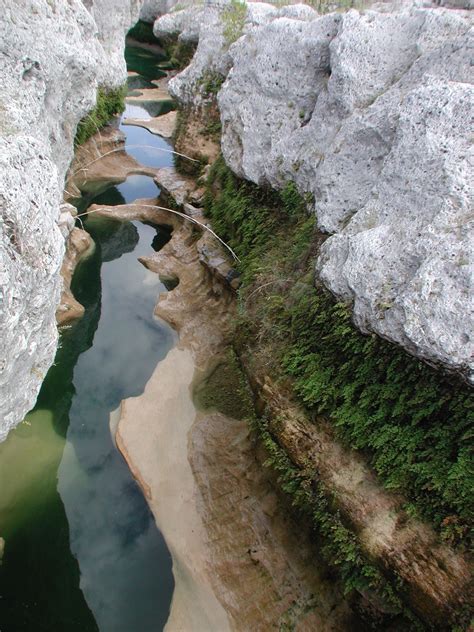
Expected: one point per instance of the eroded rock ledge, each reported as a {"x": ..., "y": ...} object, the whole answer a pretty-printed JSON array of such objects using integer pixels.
[{"x": 366, "y": 113}]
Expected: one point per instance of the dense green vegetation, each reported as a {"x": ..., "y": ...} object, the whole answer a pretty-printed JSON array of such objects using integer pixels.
[
  {"x": 109, "y": 103},
  {"x": 338, "y": 545},
  {"x": 414, "y": 423}
]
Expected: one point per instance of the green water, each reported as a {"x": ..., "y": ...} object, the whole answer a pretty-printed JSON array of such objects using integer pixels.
[
  {"x": 145, "y": 63},
  {"x": 82, "y": 551}
]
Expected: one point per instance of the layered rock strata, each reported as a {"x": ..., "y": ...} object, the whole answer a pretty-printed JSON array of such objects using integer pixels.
[
  {"x": 368, "y": 114},
  {"x": 53, "y": 57}
]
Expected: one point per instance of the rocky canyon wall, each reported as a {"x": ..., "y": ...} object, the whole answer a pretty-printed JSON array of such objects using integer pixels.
[
  {"x": 368, "y": 113},
  {"x": 54, "y": 54}
]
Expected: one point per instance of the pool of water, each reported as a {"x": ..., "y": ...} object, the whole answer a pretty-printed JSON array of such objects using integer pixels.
[
  {"x": 145, "y": 63},
  {"x": 150, "y": 150},
  {"x": 82, "y": 550},
  {"x": 125, "y": 566}
]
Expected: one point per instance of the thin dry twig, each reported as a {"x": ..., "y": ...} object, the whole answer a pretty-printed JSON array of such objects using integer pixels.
[
  {"x": 107, "y": 153},
  {"x": 260, "y": 287},
  {"x": 163, "y": 208}
]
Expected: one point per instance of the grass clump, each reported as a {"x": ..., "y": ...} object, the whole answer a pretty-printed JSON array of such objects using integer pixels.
[
  {"x": 226, "y": 389},
  {"x": 210, "y": 83},
  {"x": 412, "y": 422},
  {"x": 233, "y": 19},
  {"x": 178, "y": 52},
  {"x": 109, "y": 103}
]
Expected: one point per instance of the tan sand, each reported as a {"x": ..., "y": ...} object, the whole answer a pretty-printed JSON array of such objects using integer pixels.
[
  {"x": 149, "y": 94},
  {"x": 164, "y": 415}
]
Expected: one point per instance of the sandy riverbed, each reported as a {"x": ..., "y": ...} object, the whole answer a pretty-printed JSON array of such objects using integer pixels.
[{"x": 152, "y": 434}]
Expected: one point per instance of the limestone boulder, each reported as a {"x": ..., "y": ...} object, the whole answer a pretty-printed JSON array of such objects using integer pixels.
[
  {"x": 53, "y": 56},
  {"x": 368, "y": 113}
]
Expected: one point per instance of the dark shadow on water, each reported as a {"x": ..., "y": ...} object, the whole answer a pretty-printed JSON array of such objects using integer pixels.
[
  {"x": 143, "y": 62},
  {"x": 162, "y": 237},
  {"x": 157, "y": 108},
  {"x": 82, "y": 550},
  {"x": 125, "y": 566},
  {"x": 136, "y": 82}
]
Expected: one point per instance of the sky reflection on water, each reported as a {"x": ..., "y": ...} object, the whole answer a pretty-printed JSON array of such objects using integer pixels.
[{"x": 124, "y": 563}]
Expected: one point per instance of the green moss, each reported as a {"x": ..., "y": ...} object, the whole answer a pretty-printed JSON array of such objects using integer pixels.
[
  {"x": 143, "y": 32},
  {"x": 109, "y": 103},
  {"x": 339, "y": 545},
  {"x": 226, "y": 389},
  {"x": 413, "y": 423},
  {"x": 179, "y": 53}
]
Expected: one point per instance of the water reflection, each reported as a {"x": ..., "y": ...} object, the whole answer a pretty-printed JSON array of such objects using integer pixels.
[
  {"x": 125, "y": 566},
  {"x": 135, "y": 111},
  {"x": 143, "y": 62},
  {"x": 155, "y": 108},
  {"x": 139, "y": 187},
  {"x": 147, "y": 148}
]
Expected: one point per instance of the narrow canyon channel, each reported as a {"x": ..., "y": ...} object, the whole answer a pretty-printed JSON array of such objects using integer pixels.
[
  {"x": 83, "y": 551},
  {"x": 240, "y": 229}
]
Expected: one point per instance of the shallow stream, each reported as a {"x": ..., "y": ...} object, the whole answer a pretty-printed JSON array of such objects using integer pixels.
[{"x": 82, "y": 550}]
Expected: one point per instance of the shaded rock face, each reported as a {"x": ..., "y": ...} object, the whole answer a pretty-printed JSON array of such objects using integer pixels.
[
  {"x": 368, "y": 113},
  {"x": 53, "y": 56}
]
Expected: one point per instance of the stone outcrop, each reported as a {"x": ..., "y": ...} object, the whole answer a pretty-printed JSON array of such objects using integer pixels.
[
  {"x": 162, "y": 125},
  {"x": 151, "y": 9},
  {"x": 78, "y": 245},
  {"x": 368, "y": 114},
  {"x": 53, "y": 57}
]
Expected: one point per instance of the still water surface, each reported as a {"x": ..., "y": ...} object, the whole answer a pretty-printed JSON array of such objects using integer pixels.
[{"x": 82, "y": 550}]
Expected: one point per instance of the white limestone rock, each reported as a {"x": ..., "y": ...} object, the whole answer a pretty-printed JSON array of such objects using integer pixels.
[
  {"x": 53, "y": 56},
  {"x": 205, "y": 26},
  {"x": 370, "y": 113},
  {"x": 152, "y": 9}
]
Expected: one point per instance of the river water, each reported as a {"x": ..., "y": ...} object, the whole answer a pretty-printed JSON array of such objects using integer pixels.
[{"x": 82, "y": 550}]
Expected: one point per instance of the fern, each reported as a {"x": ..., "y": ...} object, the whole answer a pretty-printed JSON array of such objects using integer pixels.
[{"x": 412, "y": 421}]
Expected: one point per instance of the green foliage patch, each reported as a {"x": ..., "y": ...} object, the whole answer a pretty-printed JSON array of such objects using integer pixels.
[
  {"x": 414, "y": 423},
  {"x": 226, "y": 389},
  {"x": 109, "y": 103},
  {"x": 339, "y": 545},
  {"x": 178, "y": 52},
  {"x": 233, "y": 18}
]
